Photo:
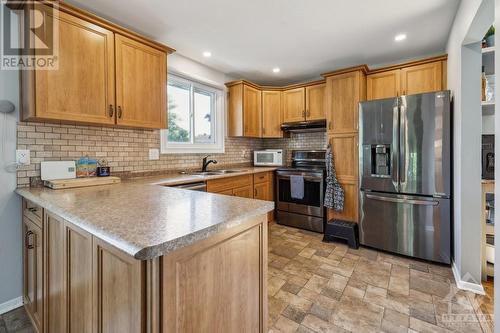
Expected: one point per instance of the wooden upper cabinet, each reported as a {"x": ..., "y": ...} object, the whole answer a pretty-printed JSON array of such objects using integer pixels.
[
  {"x": 82, "y": 88},
  {"x": 315, "y": 102},
  {"x": 141, "y": 83},
  {"x": 407, "y": 79},
  {"x": 383, "y": 85},
  {"x": 272, "y": 114},
  {"x": 421, "y": 78},
  {"x": 294, "y": 105},
  {"x": 244, "y": 110},
  {"x": 105, "y": 75},
  {"x": 252, "y": 112},
  {"x": 344, "y": 92}
]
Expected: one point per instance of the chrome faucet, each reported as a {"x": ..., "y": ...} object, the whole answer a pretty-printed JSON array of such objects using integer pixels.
[{"x": 206, "y": 163}]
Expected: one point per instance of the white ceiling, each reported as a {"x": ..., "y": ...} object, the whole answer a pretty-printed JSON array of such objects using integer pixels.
[{"x": 303, "y": 37}]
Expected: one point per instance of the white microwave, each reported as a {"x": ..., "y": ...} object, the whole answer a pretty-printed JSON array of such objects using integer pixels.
[{"x": 268, "y": 157}]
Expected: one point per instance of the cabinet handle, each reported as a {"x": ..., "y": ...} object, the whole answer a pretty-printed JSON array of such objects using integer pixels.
[
  {"x": 28, "y": 238},
  {"x": 111, "y": 111},
  {"x": 329, "y": 125},
  {"x": 255, "y": 192},
  {"x": 308, "y": 113},
  {"x": 119, "y": 112},
  {"x": 33, "y": 209}
]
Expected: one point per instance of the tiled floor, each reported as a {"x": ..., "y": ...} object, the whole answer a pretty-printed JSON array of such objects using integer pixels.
[
  {"x": 15, "y": 321},
  {"x": 326, "y": 287}
]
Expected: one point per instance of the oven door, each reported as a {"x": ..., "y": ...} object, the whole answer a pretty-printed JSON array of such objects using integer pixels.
[{"x": 311, "y": 204}]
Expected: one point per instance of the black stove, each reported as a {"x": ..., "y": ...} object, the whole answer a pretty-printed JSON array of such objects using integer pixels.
[{"x": 306, "y": 211}]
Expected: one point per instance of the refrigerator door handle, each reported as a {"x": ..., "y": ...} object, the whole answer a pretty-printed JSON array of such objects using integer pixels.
[
  {"x": 395, "y": 146},
  {"x": 403, "y": 141},
  {"x": 399, "y": 200}
]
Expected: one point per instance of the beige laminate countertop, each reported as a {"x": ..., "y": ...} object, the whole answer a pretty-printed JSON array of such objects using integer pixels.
[{"x": 147, "y": 220}]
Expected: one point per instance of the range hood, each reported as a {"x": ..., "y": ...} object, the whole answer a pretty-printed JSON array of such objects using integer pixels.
[{"x": 305, "y": 126}]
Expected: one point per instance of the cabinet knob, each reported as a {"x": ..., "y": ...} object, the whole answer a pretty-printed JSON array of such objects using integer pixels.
[
  {"x": 119, "y": 112},
  {"x": 111, "y": 111}
]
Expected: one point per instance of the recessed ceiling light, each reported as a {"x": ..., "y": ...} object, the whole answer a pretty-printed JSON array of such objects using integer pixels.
[
  {"x": 207, "y": 54},
  {"x": 400, "y": 37},
  {"x": 276, "y": 70}
]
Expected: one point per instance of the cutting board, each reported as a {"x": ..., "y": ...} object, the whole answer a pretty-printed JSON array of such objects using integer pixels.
[{"x": 59, "y": 184}]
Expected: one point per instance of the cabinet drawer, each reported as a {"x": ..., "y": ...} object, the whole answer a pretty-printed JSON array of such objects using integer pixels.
[
  {"x": 262, "y": 177},
  {"x": 220, "y": 185},
  {"x": 33, "y": 212}
]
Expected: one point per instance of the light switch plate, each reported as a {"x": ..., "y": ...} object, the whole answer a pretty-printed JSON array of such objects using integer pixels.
[
  {"x": 23, "y": 157},
  {"x": 154, "y": 154}
]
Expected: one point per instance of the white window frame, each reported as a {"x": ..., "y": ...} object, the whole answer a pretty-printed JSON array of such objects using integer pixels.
[{"x": 191, "y": 147}]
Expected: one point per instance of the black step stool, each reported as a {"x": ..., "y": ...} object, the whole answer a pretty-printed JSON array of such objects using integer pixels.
[{"x": 342, "y": 229}]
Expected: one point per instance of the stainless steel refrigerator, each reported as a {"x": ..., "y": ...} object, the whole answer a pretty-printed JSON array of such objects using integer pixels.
[{"x": 405, "y": 175}]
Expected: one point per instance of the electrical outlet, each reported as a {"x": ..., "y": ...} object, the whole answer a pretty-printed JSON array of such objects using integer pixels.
[
  {"x": 23, "y": 157},
  {"x": 154, "y": 154}
]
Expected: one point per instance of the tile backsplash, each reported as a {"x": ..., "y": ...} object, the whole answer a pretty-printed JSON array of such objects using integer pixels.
[{"x": 127, "y": 150}]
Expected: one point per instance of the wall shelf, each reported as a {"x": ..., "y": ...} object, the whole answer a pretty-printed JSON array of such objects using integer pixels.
[
  {"x": 489, "y": 60},
  {"x": 488, "y": 108}
]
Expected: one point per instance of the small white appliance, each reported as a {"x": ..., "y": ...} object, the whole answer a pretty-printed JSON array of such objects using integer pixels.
[
  {"x": 268, "y": 157},
  {"x": 51, "y": 170}
]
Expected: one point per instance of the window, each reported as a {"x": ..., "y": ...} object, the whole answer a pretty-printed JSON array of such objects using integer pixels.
[{"x": 195, "y": 118}]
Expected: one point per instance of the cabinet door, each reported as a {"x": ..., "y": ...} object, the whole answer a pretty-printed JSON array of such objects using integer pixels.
[
  {"x": 141, "y": 84},
  {"x": 252, "y": 112},
  {"x": 235, "y": 110},
  {"x": 117, "y": 289},
  {"x": 82, "y": 89},
  {"x": 345, "y": 150},
  {"x": 226, "y": 192},
  {"x": 315, "y": 102},
  {"x": 55, "y": 277},
  {"x": 33, "y": 271},
  {"x": 272, "y": 114},
  {"x": 351, "y": 201},
  {"x": 244, "y": 192},
  {"x": 344, "y": 92},
  {"x": 421, "y": 78},
  {"x": 294, "y": 105},
  {"x": 262, "y": 191},
  {"x": 383, "y": 85}
]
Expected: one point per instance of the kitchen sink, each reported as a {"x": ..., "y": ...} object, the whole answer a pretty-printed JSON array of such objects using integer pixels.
[
  {"x": 215, "y": 172},
  {"x": 231, "y": 171}
]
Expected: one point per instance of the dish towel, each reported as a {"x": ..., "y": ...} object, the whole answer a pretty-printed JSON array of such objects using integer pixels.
[
  {"x": 334, "y": 194},
  {"x": 297, "y": 187}
]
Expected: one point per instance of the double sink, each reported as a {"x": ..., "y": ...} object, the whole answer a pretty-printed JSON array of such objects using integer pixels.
[{"x": 215, "y": 172}]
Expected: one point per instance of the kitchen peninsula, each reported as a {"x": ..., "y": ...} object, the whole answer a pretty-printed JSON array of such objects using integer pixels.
[{"x": 139, "y": 257}]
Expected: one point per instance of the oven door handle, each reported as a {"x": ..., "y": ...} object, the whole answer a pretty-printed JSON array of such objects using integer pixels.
[{"x": 311, "y": 179}]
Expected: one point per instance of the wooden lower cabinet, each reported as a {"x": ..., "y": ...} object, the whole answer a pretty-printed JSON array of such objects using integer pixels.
[
  {"x": 214, "y": 285},
  {"x": 244, "y": 192},
  {"x": 68, "y": 277},
  {"x": 118, "y": 288},
  {"x": 257, "y": 186},
  {"x": 33, "y": 271},
  {"x": 218, "y": 284}
]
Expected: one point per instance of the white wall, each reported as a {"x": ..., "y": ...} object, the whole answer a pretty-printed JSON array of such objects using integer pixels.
[
  {"x": 10, "y": 222},
  {"x": 184, "y": 66},
  {"x": 471, "y": 22},
  {"x": 497, "y": 170}
]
